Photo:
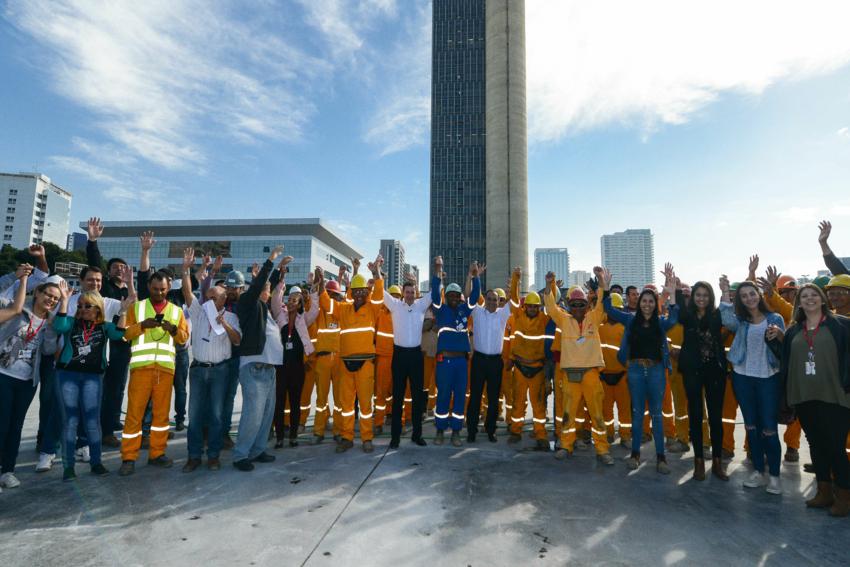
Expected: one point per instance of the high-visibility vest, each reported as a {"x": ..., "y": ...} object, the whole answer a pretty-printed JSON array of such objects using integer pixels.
[{"x": 154, "y": 346}]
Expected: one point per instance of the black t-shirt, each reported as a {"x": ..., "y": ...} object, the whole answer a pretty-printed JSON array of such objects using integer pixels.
[
  {"x": 87, "y": 344},
  {"x": 645, "y": 342},
  {"x": 293, "y": 354}
]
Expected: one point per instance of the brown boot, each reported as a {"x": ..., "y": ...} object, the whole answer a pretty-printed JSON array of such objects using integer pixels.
[
  {"x": 717, "y": 468},
  {"x": 699, "y": 469},
  {"x": 842, "y": 503},
  {"x": 824, "y": 497}
]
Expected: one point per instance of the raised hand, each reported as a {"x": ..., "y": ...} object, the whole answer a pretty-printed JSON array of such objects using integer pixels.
[
  {"x": 94, "y": 229},
  {"x": 355, "y": 263},
  {"x": 772, "y": 275},
  {"x": 255, "y": 270},
  {"x": 147, "y": 241},
  {"x": 481, "y": 269},
  {"x": 724, "y": 283},
  {"x": 36, "y": 251},
  {"x": 754, "y": 264},
  {"x": 64, "y": 290},
  {"x": 825, "y": 228},
  {"x": 284, "y": 261},
  {"x": 276, "y": 251},
  {"x": 766, "y": 286},
  {"x": 23, "y": 270},
  {"x": 473, "y": 270},
  {"x": 128, "y": 302},
  {"x": 188, "y": 258},
  {"x": 216, "y": 268},
  {"x": 517, "y": 271},
  {"x": 125, "y": 274},
  {"x": 559, "y": 284},
  {"x": 550, "y": 278}
]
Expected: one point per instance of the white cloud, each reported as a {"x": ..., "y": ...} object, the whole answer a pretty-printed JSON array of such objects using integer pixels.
[
  {"x": 160, "y": 76},
  {"x": 844, "y": 133},
  {"x": 646, "y": 64},
  {"x": 345, "y": 23}
]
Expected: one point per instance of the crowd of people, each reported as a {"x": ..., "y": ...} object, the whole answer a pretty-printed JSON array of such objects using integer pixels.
[{"x": 675, "y": 363}]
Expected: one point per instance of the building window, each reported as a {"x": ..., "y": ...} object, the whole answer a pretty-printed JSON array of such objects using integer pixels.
[
  {"x": 10, "y": 209},
  {"x": 12, "y": 201},
  {"x": 13, "y": 191},
  {"x": 7, "y": 237},
  {"x": 10, "y": 219},
  {"x": 266, "y": 249},
  {"x": 9, "y": 228}
]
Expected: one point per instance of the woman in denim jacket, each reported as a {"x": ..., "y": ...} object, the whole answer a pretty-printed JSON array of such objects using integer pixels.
[
  {"x": 644, "y": 352},
  {"x": 755, "y": 376}
]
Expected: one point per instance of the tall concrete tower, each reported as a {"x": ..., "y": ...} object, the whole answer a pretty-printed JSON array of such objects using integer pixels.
[
  {"x": 479, "y": 202},
  {"x": 507, "y": 150}
]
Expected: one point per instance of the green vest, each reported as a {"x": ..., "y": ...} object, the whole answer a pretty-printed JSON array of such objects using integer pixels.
[{"x": 154, "y": 346}]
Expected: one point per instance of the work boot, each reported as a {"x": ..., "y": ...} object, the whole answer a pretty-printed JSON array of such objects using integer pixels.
[
  {"x": 514, "y": 438},
  {"x": 809, "y": 468},
  {"x": 633, "y": 462},
  {"x": 99, "y": 470},
  {"x": 792, "y": 455},
  {"x": 191, "y": 465},
  {"x": 562, "y": 454},
  {"x": 344, "y": 445},
  {"x": 244, "y": 465},
  {"x": 264, "y": 458},
  {"x": 440, "y": 438},
  {"x": 394, "y": 443},
  {"x": 542, "y": 445},
  {"x": 661, "y": 467},
  {"x": 678, "y": 446},
  {"x": 69, "y": 474},
  {"x": 378, "y": 429},
  {"x": 470, "y": 437},
  {"x": 717, "y": 469},
  {"x": 368, "y": 447},
  {"x": 127, "y": 468},
  {"x": 824, "y": 497},
  {"x": 227, "y": 442},
  {"x": 337, "y": 438},
  {"x": 841, "y": 507},
  {"x": 161, "y": 461},
  {"x": 491, "y": 437},
  {"x": 180, "y": 425},
  {"x": 605, "y": 459},
  {"x": 699, "y": 469},
  {"x": 110, "y": 441},
  {"x": 419, "y": 441},
  {"x": 456, "y": 442},
  {"x": 213, "y": 464}
]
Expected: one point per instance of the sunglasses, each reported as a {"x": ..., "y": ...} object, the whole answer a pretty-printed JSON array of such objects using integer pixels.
[
  {"x": 577, "y": 305},
  {"x": 87, "y": 306}
]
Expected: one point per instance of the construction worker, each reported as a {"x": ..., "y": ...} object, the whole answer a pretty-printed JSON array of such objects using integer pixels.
[
  {"x": 452, "y": 350},
  {"x": 528, "y": 356},
  {"x": 838, "y": 293},
  {"x": 384, "y": 362},
  {"x": 356, "y": 369},
  {"x": 581, "y": 361},
  {"x": 614, "y": 381},
  {"x": 429, "y": 351},
  {"x": 154, "y": 327},
  {"x": 327, "y": 360}
]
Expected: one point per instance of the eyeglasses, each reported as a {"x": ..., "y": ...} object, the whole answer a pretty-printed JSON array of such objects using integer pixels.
[
  {"x": 87, "y": 306},
  {"x": 577, "y": 305}
]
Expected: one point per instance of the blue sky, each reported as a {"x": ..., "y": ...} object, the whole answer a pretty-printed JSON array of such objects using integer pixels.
[{"x": 725, "y": 129}]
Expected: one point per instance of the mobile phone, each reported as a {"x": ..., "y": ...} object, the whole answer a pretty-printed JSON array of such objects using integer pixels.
[{"x": 159, "y": 317}]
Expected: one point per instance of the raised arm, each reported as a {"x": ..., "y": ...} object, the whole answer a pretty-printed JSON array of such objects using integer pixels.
[
  {"x": 550, "y": 301},
  {"x": 14, "y": 309},
  {"x": 278, "y": 310},
  {"x": 727, "y": 311},
  {"x": 94, "y": 229},
  {"x": 146, "y": 240},
  {"x": 186, "y": 287},
  {"x": 516, "y": 277},
  {"x": 835, "y": 265},
  {"x": 437, "y": 282},
  {"x": 259, "y": 281},
  {"x": 39, "y": 257},
  {"x": 475, "y": 272}
]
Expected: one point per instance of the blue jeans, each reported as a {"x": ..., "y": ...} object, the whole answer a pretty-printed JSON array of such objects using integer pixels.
[
  {"x": 207, "y": 389},
  {"x": 181, "y": 373},
  {"x": 258, "y": 388},
  {"x": 647, "y": 383},
  {"x": 451, "y": 388},
  {"x": 759, "y": 401},
  {"x": 80, "y": 394},
  {"x": 232, "y": 387}
]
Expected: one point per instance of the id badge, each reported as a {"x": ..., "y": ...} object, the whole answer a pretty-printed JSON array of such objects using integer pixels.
[
  {"x": 580, "y": 340},
  {"x": 289, "y": 345},
  {"x": 24, "y": 354},
  {"x": 810, "y": 368},
  {"x": 84, "y": 350}
]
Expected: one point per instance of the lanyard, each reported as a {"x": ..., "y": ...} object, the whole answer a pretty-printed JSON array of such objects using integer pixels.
[
  {"x": 30, "y": 335},
  {"x": 87, "y": 333},
  {"x": 810, "y": 340}
]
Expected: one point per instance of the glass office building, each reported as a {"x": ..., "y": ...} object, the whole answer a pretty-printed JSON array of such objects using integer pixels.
[
  {"x": 458, "y": 174},
  {"x": 241, "y": 243}
]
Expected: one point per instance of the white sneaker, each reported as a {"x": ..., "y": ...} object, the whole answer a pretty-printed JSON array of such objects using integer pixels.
[
  {"x": 9, "y": 480},
  {"x": 45, "y": 462},
  {"x": 83, "y": 454},
  {"x": 774, "y": 485},
  {"x": 756, "y": 480}
]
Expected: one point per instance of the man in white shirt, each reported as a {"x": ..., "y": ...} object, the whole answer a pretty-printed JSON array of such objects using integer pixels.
[
  {"x": 489, "y": 323},
  {"x": 214, "y": 331},
  {"x": 408, "y": 315}
]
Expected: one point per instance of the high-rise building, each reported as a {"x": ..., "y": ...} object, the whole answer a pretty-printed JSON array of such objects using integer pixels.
[
  {"x": 578, "y": 277},
  {"x": 412, "y": 270},
  {"x": 393, "y": 253},
  {"x": 630, "y": 256},
  {"x": 550, "y": 260},
  {"x": 76, "y": 241},
  {"x": 479, "y": 201},
  {"x": 37, "y": 210},
  {"x": 241, "y": 242}
]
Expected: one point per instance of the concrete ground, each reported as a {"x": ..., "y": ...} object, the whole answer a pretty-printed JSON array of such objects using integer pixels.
[{"x": 482, "y": 504}]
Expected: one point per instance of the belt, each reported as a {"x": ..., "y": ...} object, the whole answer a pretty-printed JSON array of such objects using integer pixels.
[
  {"x": 324, "y": 353},
  {"x": 488, "y": 356},
  {"x": 205, "y": 364},
  {"x": 645, "y": 362},
  {"x": 408, "y": 349},
  {"x": 452, "y": 354}
]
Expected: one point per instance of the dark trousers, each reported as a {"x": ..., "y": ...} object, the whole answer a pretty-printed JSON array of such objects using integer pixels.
[
  {"x": 49, "y": 407},
  {"x": 826, "y": 426},
  {"x": 15, "y": 399},
  {"x": 485, "y": 369},
  {"x": 408, "y": 364},
  {"x": 230, "y": 395},
  {"x": 712, "y": 379},
  {"x": 181, "y": 375},
  {"x": 114, "y": 384},
  {"x": 289, "y": 381}
]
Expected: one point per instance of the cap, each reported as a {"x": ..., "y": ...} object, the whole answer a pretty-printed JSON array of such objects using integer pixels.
[
  {"x": 453, "y": 288},
  {"x": 617, "y": 300},
  {"x": 533, "y": 298},
  {"x": 234, "y": 279}
]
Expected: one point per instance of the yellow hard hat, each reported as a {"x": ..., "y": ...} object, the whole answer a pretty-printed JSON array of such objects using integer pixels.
[
  {"x": 617, "y": 300},
  {"x": 841, "y": 280},
  {"x": 501, "y": 293},
  {"x": 358, "y": 282},
  {"x": 394, "y": 290},
  {"x": 533, "y": 298}
]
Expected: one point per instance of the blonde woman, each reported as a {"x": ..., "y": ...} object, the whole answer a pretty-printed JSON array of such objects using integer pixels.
[{"x": 80, "y": 369}]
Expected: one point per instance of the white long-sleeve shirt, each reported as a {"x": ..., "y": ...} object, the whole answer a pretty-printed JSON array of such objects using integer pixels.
[
  {"x": 407, "y": 319},
  {"x": 489, "y": 329}
]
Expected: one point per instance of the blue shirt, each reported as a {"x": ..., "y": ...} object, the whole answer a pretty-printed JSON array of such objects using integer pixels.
[{"x": 452, "y": 324}]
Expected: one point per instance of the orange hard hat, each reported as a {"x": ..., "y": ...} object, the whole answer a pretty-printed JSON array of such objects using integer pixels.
[{"x": 786, "y": 282}]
